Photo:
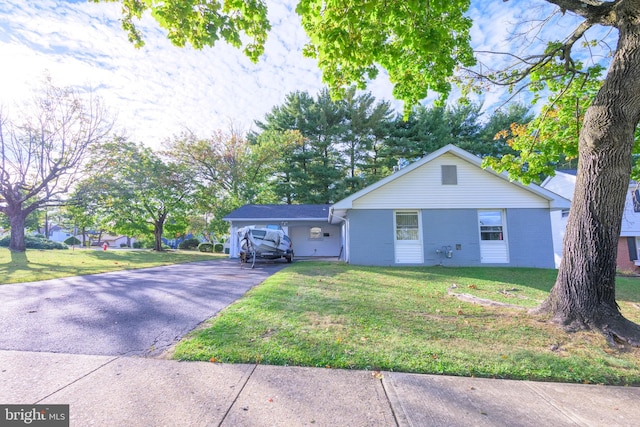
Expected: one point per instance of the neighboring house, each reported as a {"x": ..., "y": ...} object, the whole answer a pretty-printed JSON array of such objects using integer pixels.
[
  {"x": 446, "y": 209},
  {"x": 112, "y": 241},
  {"x": 175, "y": 243},
  {"x": 564, "y": 183},
  {"x": 59, "y": 234},
  {"x": 306, "y": 225}
]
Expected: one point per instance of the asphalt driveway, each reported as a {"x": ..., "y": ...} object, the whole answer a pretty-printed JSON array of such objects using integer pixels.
[{"x": 135, "y": 312}]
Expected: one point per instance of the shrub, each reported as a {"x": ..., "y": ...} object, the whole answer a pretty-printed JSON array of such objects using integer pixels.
[
  {"x": 218, "y": 247},
  {"x": 124, "y": 245},
  {"x": 205, "y": 247},
  {"x": 147, "y": 242},
  {"x": 33, "y": 242},
  {"x": 72, "y": 241},
  {"x": 137, "y": 244},
  {"x": 189, "y": 244}
]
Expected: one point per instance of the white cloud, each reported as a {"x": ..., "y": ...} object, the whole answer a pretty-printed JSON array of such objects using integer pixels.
[{"x": 159, "y": 90}]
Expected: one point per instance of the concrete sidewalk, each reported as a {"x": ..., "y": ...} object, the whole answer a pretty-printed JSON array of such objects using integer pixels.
[{"x": 129, "y": 391}]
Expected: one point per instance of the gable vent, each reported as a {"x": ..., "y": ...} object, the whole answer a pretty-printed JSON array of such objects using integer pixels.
[{"x": 449, "y": 175}]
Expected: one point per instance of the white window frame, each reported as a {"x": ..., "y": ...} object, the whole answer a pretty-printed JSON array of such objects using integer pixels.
[
  {"x": 494, "y": 251},
  {"x": 395, "y": 225},
  {"x": 408, "y": 251},
  {"x": 502, "y": 225}
]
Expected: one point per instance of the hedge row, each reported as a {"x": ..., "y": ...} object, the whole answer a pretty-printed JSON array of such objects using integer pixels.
[{"x": 32, "y": 242}]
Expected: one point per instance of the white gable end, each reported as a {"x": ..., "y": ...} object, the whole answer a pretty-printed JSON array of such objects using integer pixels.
[
  {"x": 561, "y": 183},
  {"x": 422, "y": 188}
]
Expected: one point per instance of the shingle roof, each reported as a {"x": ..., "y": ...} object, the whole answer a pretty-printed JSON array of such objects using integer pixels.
[{"x": 279, "y": 212}]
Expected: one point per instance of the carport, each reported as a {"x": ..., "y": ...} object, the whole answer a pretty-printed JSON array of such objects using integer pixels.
[{"x": 307, "y": 226}]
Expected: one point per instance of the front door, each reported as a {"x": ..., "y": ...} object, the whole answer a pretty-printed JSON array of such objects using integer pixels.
[
  {"x": 408, "y": 237},
  {"x": 493, "y": 242}
]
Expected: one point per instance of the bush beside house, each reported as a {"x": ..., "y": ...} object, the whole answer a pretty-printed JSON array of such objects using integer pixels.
[
  {"x": 189, "y": 244},
  {"x": 35, "y": 242},
  {"x": 205, "y": 247}
]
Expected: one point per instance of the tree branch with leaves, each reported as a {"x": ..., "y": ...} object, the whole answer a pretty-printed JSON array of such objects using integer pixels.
[{"x": 43, "y": 152}]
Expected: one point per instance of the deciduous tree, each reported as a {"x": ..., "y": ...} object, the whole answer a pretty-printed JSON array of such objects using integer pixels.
[
  {"x": 43, "y": 152},
  {"x": 137, "y": 191},
  {"x": 228, "y": 171}
]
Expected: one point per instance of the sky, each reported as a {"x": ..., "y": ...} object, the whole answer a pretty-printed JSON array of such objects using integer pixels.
[{"x": 161, "y": 90}]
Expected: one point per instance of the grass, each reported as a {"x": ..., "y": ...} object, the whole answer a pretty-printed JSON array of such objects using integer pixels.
[
  {"x": 403, "y": 319},
  {"x": 34, "y": 264}
]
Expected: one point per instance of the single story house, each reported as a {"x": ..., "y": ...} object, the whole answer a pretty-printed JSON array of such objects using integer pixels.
[
  {"x": 112, "y": 241},
  {"x": 59, "y": 234},
  {"x": 446, "y": 209},
  {"x": 628, "y": 260},
  {"x": 306, "y": 225}
]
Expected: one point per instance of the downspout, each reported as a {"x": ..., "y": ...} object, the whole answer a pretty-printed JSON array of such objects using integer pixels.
[
  {"x": 233, "y": 241},
  {"x": 331, "y": 215},
  {"x": 345, "y": 233}
]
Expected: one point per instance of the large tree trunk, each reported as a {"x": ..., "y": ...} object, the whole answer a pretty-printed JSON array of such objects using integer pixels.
[
  {"x": 16, "y": 242},
  {"x": 584, "y": 294},
  {"x": 158, "y": 228}
]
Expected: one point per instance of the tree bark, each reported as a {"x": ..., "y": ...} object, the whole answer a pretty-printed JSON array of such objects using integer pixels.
[
  {"x": 16, "y": 242},
  {"x": 158, "y": 228},
  {"x": 584, "y": 294}
]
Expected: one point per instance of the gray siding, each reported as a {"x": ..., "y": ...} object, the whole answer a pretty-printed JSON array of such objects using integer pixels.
[
  {"x": 528, "y": 232},
  {"x": 303, "y": 245},
  {"x": 530, "y": 239},
  {"x": 371, "y": 237},
  {"x": 457, "y": 228}
]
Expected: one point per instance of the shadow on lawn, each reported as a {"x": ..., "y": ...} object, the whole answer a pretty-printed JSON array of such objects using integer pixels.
[
  {"x": 17, "y": 262},
  {"x": 627, "y": 288},
  {"x": 22, "y": 265},
  {"x": 18, "y": 258},
  {"x": 50, "y": 263},
  {"x": 147, "y": 255},
  {"x": 544, "y": 278}
]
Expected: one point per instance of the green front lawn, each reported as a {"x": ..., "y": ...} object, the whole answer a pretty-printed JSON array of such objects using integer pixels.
[
  {"x": 404, "y": 319},
  {"x": 35, "y": 264}
]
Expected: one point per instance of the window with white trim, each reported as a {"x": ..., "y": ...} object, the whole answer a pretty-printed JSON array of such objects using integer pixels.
[
  {"x": 491, "y": 225},
  {"x": 407, "y": 227}
]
